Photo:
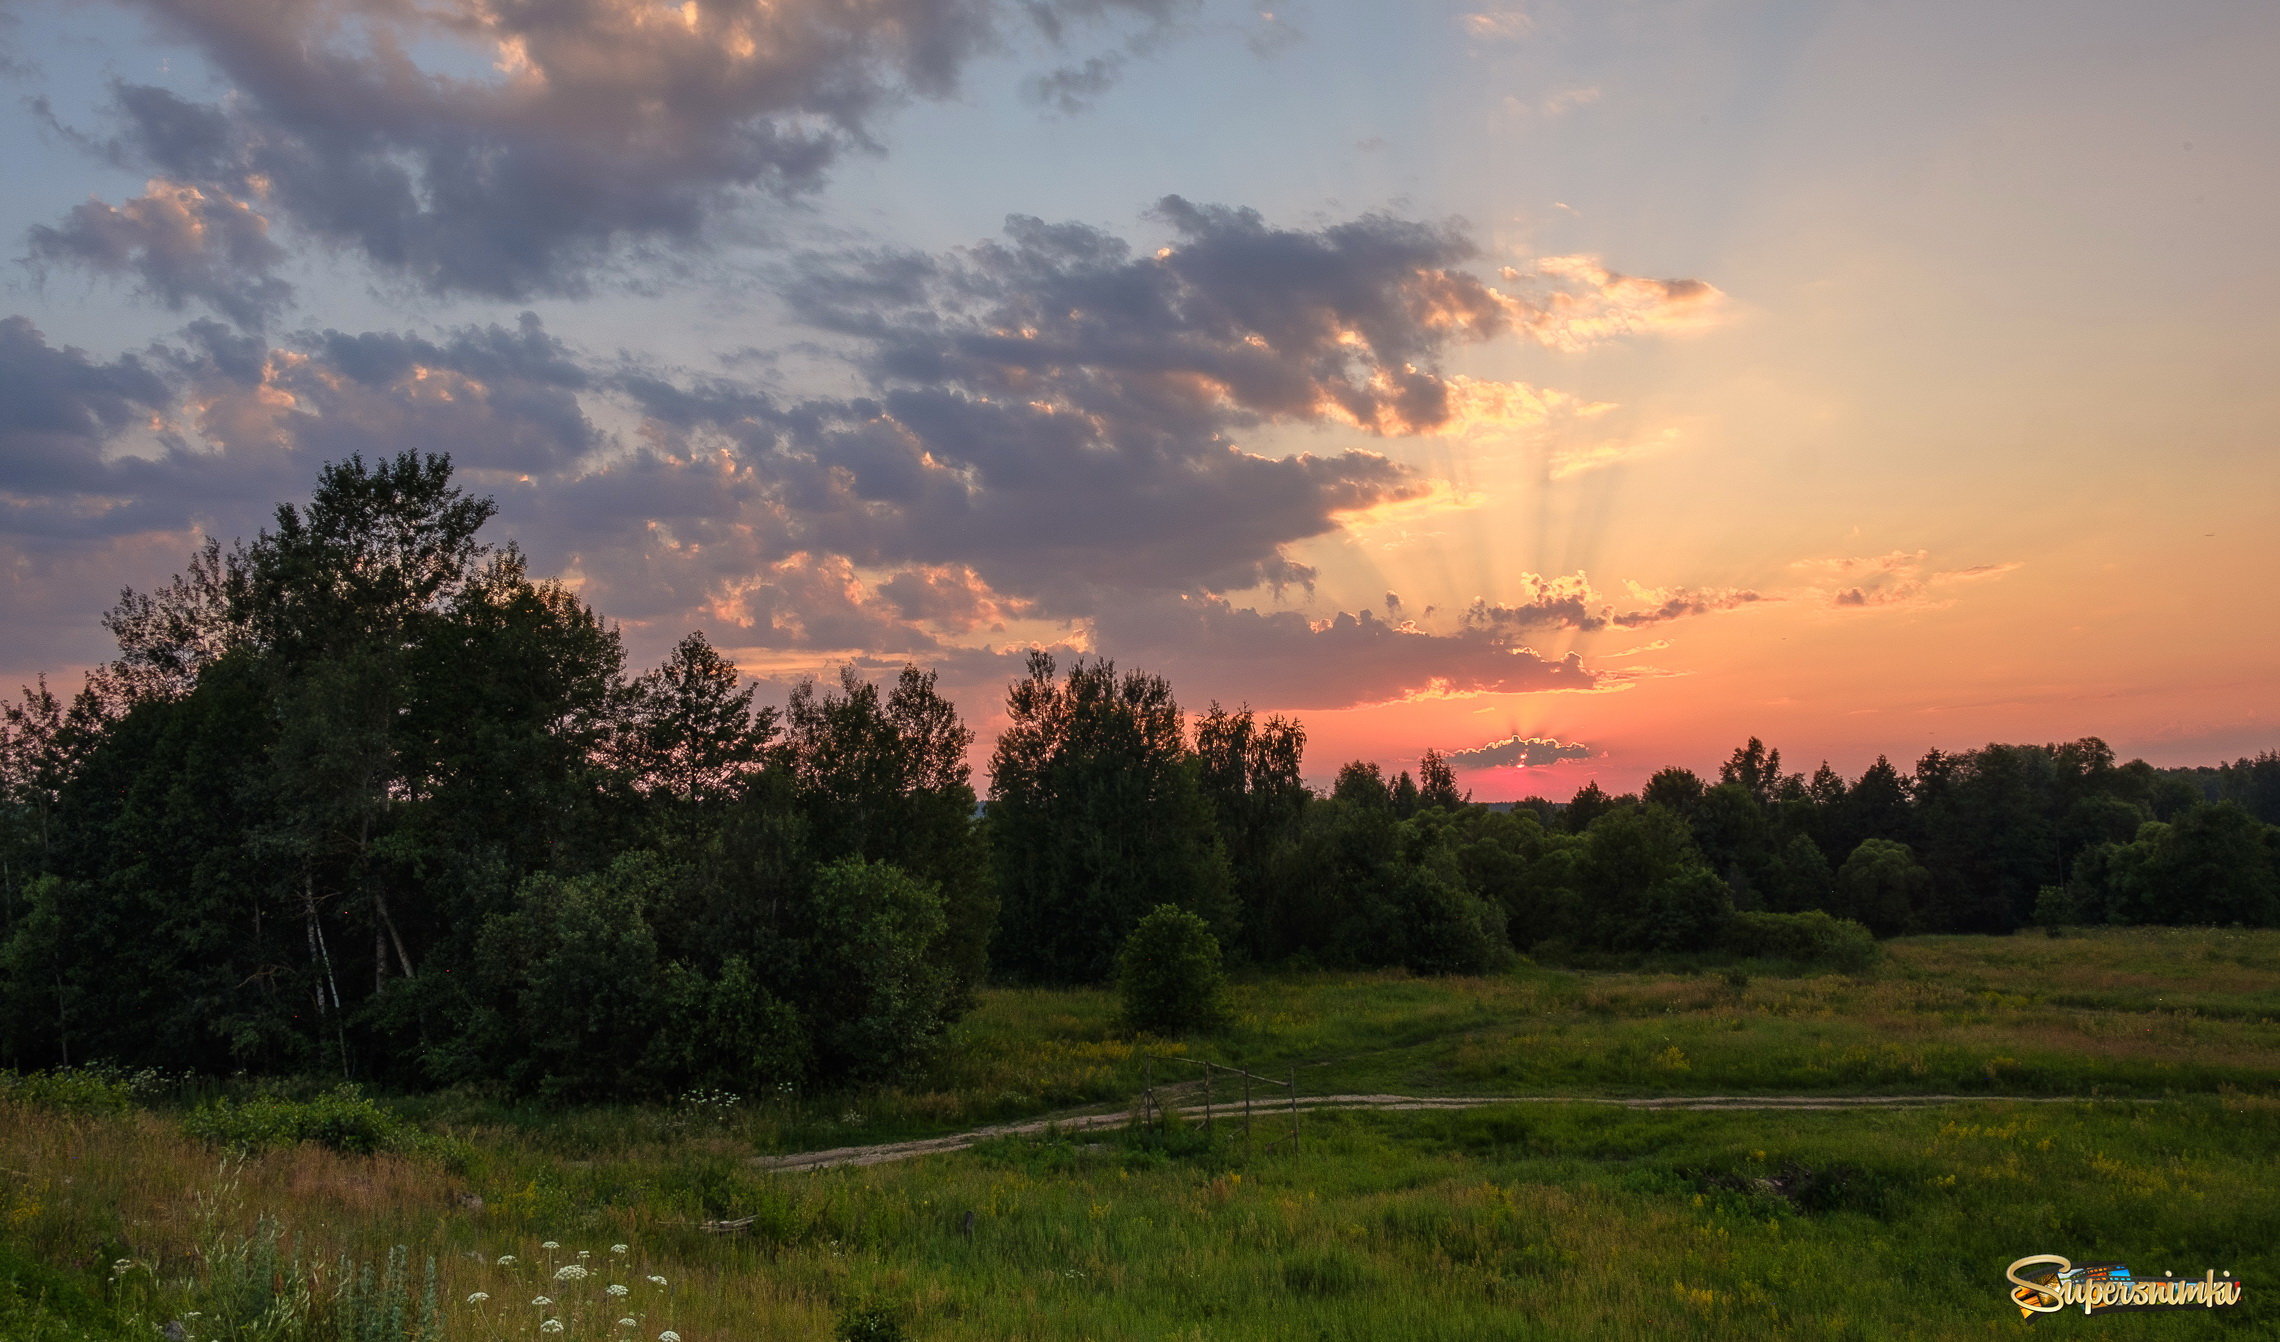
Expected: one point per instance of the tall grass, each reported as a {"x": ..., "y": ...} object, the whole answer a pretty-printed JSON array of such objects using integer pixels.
[{"x": 1513, "y": 1221}]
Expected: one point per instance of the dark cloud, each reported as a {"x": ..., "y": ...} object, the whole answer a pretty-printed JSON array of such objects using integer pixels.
[
  {"x": 183, "y": 245},
  {"x": 509, "y": 149},
  {"x": 60, "y": 407},
  {"x": 213, "y": 429},
  {"x": 1570, "y": 602},
  {"x": 1236, "y": 323},
  {"x": 1517, "y": 751},
  {"x": 1049, "y": 443},
  {"x": 1282, "y": 659}
]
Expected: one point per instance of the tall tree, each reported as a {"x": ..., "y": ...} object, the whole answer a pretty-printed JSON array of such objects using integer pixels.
[
  {"x": 1437, "y": 782},
  {"x": 1249, "y": 771},
  {"x": 885, "y": 779},
  {"x": 1096, "y": 816}
]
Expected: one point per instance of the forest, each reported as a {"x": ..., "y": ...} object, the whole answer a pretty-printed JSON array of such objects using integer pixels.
[{"x": 365, "y": 798}]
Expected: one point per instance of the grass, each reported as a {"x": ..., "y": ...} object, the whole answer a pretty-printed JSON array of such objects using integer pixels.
[{"x": 1516, "y": 1221}]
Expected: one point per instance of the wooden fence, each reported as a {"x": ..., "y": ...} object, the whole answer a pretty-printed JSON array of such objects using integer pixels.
[{"x": 1149, "y": 1108}]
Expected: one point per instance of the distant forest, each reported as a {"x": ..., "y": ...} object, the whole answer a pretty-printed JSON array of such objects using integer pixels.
[{"x": 363, "y": 797}]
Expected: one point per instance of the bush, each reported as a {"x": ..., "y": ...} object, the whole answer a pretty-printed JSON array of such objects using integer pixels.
[
  {"x": 1169, "y": 974},
  {"x": 97, "y": 1088},
  {"x": 1811, "y": 938},
  {"x": 343, "y": 1121}
]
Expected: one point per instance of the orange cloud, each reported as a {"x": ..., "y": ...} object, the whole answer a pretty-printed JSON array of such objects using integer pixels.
[{"x": 1901, "y": 577}]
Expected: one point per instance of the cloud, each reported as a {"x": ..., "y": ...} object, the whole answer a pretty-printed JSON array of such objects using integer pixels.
[
  {"x": 513, "y": 149},
  {"x": 1576, "y": 302},
  {"x": 1234, "y": 323},
  {"x": 1508, "y": 24},
  {"x": 1570, "y": 602},
  {"x": 60, "y": 407},
  {"x": 183, "y": 244},
  {"x": 1212, "y": 648},
  {"x": 1901, "y": 577},
  {"x": 213, "y": 429},
  {"x": 1522, "y": 752},
  {"x": 1050, "y": 439}
]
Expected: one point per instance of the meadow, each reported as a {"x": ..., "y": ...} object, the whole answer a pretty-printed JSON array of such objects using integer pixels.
[{"x": 1528, "y": 1219}]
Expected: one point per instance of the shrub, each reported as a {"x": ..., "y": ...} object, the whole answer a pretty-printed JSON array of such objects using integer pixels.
[
  {"x": 1812, "y": 938},
  {"x": 343, "y": 1121},
  {"x": 1169, "y": 974},
  {"x": 97, "y": 1088}
]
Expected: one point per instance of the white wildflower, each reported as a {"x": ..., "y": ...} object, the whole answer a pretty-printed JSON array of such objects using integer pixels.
[
  {"x": 478, "y": 1297},
  {"x": 585, "y": 1253},
  {"x": 506, "y": 1260},
  {"x": 657, "y": 1281},
  {"x": 668, "y": 1336},
  {"x": 550, "y": 1244},
  {"x": 542, "y": 1302},
  {"x": 629, "y": 1323},
  {"x": 619, "y": 1248},
  {"x": 616, "y": 1290},
  {"x": 551, "y": 1326},
  {"x": 571, "y": 1272}
]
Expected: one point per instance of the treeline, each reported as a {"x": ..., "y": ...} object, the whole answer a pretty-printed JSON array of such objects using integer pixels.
[{"x": 365, "y": 797}]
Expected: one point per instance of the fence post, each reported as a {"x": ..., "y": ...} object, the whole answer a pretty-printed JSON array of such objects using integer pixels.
[
  {"x": 1246, "y": 1115},
  {"x": 1294, "y": 1110}
]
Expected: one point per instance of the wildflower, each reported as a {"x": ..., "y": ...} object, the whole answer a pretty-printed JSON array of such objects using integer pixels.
[
  {"x": 616, "y": 1290},
  {"x": 629, "y": 1323},
  {"x": 478, "y": 1297},
  {"x": 506, "y": 1260},
  {"x": 618, "y": 1248},
  {"x": 550, "y": 1244},
  {"x": 571, "y": 1272},
  {"x": 542, "y": 1302},
  {"x": 657, "y": 1281},
  {"x": 585, "y": 1253},
  {"x": 551, "y": 1326},
  {"x": 668, "y": 1336}
]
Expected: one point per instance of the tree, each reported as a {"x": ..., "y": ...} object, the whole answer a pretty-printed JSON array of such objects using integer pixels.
[
  {"x": 1644, "y": 884},
  {"x": 1362, "y": 783},
  {"x": 1169, "y": 977},
  {"x": 168, "y": 636},
  {"x": 876, "y": 992},
  {"x": 1756, "y": 769},
  {"x": 1437, "y": 783},
  {"x": 1249, "y": 772},
  {"x": 1404, "y": 795},
  {"x": 1676, "y": 790},
  {"x": 885, "y": 780},
  {"x": 1585, "y": 808},
  {"x": 689, "y": 733},
  {"x": 1096, "y": 816},
  {"x": 1882, "y": 887},
  {"x": 376, "y": 547},
  {"x": 1877, "y": 807}
]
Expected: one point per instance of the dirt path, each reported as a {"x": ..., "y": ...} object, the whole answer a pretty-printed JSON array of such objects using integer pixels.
[{"x": 1085, "y": 1122}]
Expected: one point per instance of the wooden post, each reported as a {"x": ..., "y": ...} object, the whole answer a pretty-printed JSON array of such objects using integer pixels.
[
  {"x": 1294, "y": 1110},
  {"x": 1207, "y": 1097},
  {"x": 1246, "y": 1115}
]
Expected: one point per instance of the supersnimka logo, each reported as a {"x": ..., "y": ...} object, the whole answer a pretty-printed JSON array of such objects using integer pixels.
[{"x": 2045, "y": 1283}]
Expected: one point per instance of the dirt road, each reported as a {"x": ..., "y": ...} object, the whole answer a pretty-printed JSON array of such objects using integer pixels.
[{"x": 1084, "y": 1122}]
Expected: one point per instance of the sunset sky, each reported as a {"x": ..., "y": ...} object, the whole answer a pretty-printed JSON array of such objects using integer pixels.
[{"x": 1574, "y": 388}]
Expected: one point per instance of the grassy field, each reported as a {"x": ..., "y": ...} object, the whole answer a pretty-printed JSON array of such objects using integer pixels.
[{"x": 1525, "y": 1220}]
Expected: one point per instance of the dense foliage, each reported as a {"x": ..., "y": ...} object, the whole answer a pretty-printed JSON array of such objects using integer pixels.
[
  {"x": 1169, "y": 976},
  {"x": 364, "y": 797}
]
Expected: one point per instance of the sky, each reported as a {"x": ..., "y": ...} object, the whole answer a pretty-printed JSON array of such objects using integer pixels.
[{"x": 1573, "y": 389}]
